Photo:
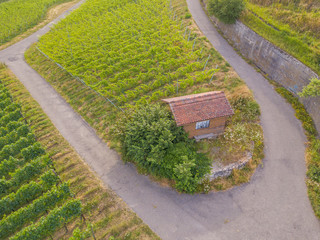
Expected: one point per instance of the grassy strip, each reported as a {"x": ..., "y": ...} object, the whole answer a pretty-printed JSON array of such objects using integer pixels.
[
  {"x": 301, "y": 45},
  {"x": 108, "y": 214},
  {"x": 312, "y": 150}
]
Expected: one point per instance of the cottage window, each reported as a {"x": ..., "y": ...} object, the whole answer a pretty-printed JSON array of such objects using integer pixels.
[{"x": 203, "y": 124}]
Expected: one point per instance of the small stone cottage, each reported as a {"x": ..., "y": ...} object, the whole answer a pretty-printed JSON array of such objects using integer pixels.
[{"x": 202, "y": 115}]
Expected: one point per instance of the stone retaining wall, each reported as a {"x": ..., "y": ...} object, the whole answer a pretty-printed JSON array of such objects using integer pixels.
[
  {"x": 271, "y": 60},
  {"x": 227, "y": 170}
]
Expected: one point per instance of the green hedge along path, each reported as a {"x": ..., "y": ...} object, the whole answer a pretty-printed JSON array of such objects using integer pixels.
[{"x": 274, "y": 205}]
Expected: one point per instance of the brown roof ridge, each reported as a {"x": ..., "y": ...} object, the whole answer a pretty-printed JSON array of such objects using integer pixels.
[
  {"x": 212, "y": 94},
  {"x": 195, "y": 100},
  {"x": 199, "y": 107}
]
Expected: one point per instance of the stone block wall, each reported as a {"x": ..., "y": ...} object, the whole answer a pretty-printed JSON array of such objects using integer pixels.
[
  {"x": 271, "y": 60},
  {"x": 227, "y": 170}
]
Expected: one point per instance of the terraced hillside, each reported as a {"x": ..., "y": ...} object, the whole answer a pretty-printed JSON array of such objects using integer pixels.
[{"x": 294, "y": 26}]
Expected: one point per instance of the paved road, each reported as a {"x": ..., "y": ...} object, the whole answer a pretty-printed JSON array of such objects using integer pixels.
[{"x": 274, "y": 205}]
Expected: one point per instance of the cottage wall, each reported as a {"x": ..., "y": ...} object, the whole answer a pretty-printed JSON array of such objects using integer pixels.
[{"x": 216, "y": 126}]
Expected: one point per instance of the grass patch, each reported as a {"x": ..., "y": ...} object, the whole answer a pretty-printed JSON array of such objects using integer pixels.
[{"x": 101, "y": 204}]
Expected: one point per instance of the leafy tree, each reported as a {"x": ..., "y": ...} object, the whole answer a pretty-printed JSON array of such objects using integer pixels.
[
  {"x": 149, "y": 133},
  {"x": 228, "y": 11},
  {"x": 151, "y": 139},
  {"x": 312, "y": 89},
  {"x": 185, "y": 181}
]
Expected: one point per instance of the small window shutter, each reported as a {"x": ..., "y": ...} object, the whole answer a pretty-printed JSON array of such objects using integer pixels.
[{"x": 203, "y": 124}]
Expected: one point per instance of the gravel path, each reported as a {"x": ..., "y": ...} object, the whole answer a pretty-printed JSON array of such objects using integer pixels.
[{"x": 274, "y": 205}]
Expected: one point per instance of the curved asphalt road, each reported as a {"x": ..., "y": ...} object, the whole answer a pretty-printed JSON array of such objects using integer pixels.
[{"x": 274, "y": 205}]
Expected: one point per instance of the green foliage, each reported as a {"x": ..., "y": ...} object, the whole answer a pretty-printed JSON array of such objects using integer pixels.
[
  {"x": 152, "y": 140},
  {"x": 144, "y": 63},
  {"x": 9, "y": 165},
  {"x": 14, "y": 135},
  {"x": 228, "y": 11},
  {"x": 32, "y": 152},
  {"x": 185, "y": 180},
  {"x": 49, "y": 224},
  {"x": 149, "y": 133},
  {"x": 314, "y": 173},
  {"x": 314, "y": 196},
  {"x": 11, "y": 116},
  {"x": 81, "y": 235},
  {"x": 24, "y": 174},
  {"x": 13, "y": 125},
  {"x": 15, "y": 148},
  {"x": 312, "y": 89},
  {"x": 187, "y": 16},
  {"x": 27, "y": 193},
  {"x": 183, "y": 152},
  {"x": 16, "y": 220}
]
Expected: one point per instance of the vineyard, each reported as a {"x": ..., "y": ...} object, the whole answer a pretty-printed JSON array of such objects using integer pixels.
[
  {"x": 34, "y": 202},
  {"x": 131, "y": 52},
  {"x": 137, "y": 52},
  {"x": 17, "y": 16},
  {"x": 105, "y": 214}
]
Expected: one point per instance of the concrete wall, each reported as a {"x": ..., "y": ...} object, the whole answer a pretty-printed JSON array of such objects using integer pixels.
[
  {"x": 227, "y": 170},
  {"x": 271, "y": 60}
]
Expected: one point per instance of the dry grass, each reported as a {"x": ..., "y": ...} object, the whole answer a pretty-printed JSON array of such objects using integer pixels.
[{"x": 108, "y": 214}]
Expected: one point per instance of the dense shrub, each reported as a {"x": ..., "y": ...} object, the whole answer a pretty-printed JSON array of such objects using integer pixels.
[
  {"x": 228, "y": 11},
  {"x": 149, "y": 133},
  {"x": 312, "y": 89},
  {"x": 151, "y": 139}
]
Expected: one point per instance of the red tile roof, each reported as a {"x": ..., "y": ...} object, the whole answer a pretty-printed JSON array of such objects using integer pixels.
[{"x": 199, "y": 107}]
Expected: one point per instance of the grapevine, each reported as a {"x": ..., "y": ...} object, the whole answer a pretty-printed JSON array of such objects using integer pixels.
[
  {"x": 127, "y": 52},
  {"x": 17, "y": 219},
  {"x": 16, "y": 16},
  {"x": 27, "y": 193},
  {"x": 49, "y": 224}
]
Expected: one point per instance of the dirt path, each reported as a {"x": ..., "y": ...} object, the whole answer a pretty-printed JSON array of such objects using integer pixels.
[{"x": 274, "y": 205}]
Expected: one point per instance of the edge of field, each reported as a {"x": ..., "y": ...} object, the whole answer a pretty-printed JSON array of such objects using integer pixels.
[
  {"x": 107, "y": 213},
  {"x": 53, "y": 13}
]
